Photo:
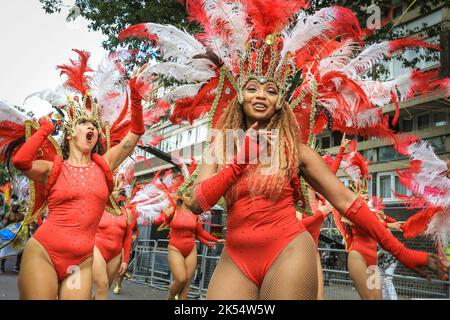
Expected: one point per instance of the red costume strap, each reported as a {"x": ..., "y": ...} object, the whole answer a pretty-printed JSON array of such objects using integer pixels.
[
  {"x": 137, "y": 119},
  {"x": 360, "y": 214},
  {"x": 337, "y": 161},
  {"x": 106, "y": 170},
  {"x": 23, "y": 160}
]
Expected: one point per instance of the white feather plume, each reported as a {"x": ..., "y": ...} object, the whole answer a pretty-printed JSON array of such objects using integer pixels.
[
  {"x": 183, "y": 91},
  {"x": 56, "y": 97},
  {"x": 8, "y": 113},
  {"x": 180, "y": 72},
  {"x": 431, "y": 174}
]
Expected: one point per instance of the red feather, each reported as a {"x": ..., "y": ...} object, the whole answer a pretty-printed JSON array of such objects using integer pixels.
[
  {"x": 76, "y": 72},
  {"x": 269, "y": 17},
  {"x": 418, "y": 223},
  {"x": 140, "y": 31},
  {"x": 399, "y": 44}
]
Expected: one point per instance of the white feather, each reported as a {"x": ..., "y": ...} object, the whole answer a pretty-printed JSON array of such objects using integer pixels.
[
  {"x": 183, "y": 91},
  {"x": 366, "y": 59},
  {"x": 56, "y": 97},
  {"x": 338, "y": 58},
  {"x": 180, "y": 72},
  {"x": 431, "y": 175},
  {"x": 307, "y": 27},
  {"x": 8, "y": 113}
]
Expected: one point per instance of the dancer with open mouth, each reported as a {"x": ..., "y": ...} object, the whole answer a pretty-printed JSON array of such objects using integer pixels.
[{"x": 57, "y": 261}]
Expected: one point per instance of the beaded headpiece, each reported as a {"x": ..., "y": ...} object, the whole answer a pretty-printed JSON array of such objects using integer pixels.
[
  {"x": 86, "y": 109},
  {"x": 263, "y": 62}
]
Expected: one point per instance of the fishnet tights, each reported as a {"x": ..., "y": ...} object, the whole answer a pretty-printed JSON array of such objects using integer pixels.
[{"x": 293, "y": 276}]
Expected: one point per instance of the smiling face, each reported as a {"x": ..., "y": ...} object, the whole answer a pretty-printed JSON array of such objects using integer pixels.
[
  {"x": 260, "y": 101},
  {"x": 86, "y": 136}
]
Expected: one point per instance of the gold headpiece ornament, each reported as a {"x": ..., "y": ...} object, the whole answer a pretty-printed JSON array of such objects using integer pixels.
[
  {"x": 262, "y": 61},
  {"x": 86, "y": 109}
]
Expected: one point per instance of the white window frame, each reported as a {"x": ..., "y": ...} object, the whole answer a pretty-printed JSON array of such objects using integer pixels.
[{"x": 392, "y": 175}]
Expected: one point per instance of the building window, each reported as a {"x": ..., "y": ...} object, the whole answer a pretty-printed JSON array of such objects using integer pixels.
[
  {"x": 202, "y": 133},
  {"x": 438, "y": 143},
  {"x": 440, "y": 119},
  {"x": 399, "y": 188},
  {"x": 385, "y": 186},
  {"x": 337, "y": 137},
  {"x": 325, "y": 142},
  {"x": 369, "y": 154},
  {"x": 423, "y": 121},
  {"x": 388, "y": 153},
  {"x": 406, "y": 125}
]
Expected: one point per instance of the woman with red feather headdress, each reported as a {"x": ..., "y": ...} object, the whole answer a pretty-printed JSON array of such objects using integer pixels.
[
  {"x": 360, "y": 245},
  {"x": 61, "y": 249},
  {"x": 159, "y": 203},
  {"x": 237, "y": 71}
]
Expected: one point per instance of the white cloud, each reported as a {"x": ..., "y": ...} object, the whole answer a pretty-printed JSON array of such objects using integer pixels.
[{"x": 33, "y": 44}]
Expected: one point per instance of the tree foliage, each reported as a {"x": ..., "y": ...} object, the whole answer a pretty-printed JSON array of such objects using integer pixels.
[{"x": 110, "y": 17}]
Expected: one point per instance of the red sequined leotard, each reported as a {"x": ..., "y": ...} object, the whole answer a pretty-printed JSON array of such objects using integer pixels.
[
  {"x": 76, "y": 206},
  {"x": 258, "y": 229},
  {"x": 183, "y": 227},
  {"x": 111, "y": 234}
]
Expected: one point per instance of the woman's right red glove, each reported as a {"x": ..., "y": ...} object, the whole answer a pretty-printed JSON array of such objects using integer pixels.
[
  {"x": 23, "y": 160},
  {"x": 209, "y": 191}
]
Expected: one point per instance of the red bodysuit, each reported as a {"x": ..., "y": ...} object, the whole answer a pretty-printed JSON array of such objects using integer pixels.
[
  {"x": 111, "y": 235},
  {"x": 365, "y": 245},
  {"x": 183, "y": 227},
  {"x": 313, "y": 224},
  {"x": 258, "y": 229},
  {"x": 76, "y": 206}
]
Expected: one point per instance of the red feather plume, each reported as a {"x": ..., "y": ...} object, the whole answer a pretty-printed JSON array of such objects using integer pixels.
[{"x": 76, "y": 72}]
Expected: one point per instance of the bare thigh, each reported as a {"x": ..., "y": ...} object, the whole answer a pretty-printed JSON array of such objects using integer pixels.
[
  {"x": 176, "y": 264},
  {"x": 190, "y": 264},
  {"x": 113, "y": 267},
  {"x": 367, "y": 285},
  {"x": 78, "y": 286},
  {"x": 293, "y": 275},
  {"x": 228, "y": 282},
  {"x": 42, "y": 285}
]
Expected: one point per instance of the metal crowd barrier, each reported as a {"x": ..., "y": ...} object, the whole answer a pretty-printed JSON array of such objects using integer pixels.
[{"x": 151, "y": 267}]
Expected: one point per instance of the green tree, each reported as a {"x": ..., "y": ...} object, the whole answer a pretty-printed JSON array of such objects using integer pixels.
[{"x": 110, "y": 17}]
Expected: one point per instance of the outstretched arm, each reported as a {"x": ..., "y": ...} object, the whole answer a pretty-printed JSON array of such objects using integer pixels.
[
  {"x": 36, "y": 170},
  {"x": 322, "y": 179},
  {"x": 120, "y": 152}
]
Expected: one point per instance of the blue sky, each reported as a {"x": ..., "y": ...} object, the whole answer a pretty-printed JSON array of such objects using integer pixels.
[{"x": 33, "y": 43}]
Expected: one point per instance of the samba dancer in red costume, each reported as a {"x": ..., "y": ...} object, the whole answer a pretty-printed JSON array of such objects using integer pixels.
[
  {"x": 155, "y": 202},
  {"x": 361, "y": 246},
  {"x": 112, "y": 244},
  {"x": 61, "y": 249},
  {"x": 237, "y": 70}
]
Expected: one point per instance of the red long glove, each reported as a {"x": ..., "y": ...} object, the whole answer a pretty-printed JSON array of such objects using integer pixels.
[
  {"x": 204, "y": 236},
  {"x": 209, "y": 191},
  {"x": 23, "y": 160},
  {"x": 360, "y": 214},
  {"x": 337, "y": 161},
  {"x": 390, "y": 220},
  {"x": 137, "y": 119}
]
